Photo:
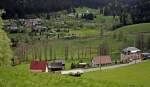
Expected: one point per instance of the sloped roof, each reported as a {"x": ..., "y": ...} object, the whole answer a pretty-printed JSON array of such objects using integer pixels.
[
  {"x": 60, "y": 61},
  {"x": 38, "y": 65},
  {"x": 131, "y": 49},
  {"x": 102, "y": 60},
  {"x": 56, "y": 64}
]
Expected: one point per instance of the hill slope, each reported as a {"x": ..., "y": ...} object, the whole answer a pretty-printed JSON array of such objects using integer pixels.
[
  {"x": 143, "y": 27},
  {"x": 131, "y": 76}
]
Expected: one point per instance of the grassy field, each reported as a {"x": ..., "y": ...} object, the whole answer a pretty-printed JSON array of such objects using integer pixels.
[
  {"x": 75, "y": 47},
  {"x": 115, "y": 45},
  {"x": 132, "y": 32},
  {"x": 85, "y": 32},
  {"x": 131, "y": 76},
  {"x": 143, "y": 27}
]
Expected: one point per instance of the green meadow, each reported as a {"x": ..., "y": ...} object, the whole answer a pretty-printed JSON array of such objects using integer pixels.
[{"x": 137, "y": 75}]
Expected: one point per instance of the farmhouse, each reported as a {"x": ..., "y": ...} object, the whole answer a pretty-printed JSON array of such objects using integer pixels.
[
  {"x": 56, "y": 65},
  {"x": 130, "y": 53},
  {"x": 39, "y": 66},
  {"x": 32, "y": 22},
  {"x": 101, "y": 60}
]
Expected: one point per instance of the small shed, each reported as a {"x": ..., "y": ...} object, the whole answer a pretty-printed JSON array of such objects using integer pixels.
[
  {"x": 39, "y": 66},
  {"x": 79, "y": 65},
  {"x": 101, "y": 60},
  {"x": 56, "y": 65}
]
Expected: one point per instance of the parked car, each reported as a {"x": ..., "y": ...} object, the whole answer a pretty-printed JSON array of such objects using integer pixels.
[{"x": 146, "y": 56}]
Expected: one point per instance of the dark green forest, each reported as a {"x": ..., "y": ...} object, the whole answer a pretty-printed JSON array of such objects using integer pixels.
[{"x": 138, "y": 9}]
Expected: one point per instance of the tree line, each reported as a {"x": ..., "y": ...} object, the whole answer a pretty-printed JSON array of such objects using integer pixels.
[
  {"x": 21, "y": 8},
  {"x": 46, "y": 51},
  {"x": 5, "y": 50},
  {"x": 137, "y": 10},
  {"x": 129, "y": 11}
]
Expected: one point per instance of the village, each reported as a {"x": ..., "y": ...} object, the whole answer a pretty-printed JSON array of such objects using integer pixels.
[
  {"x": 130, "y": 55},
  {"x": 56, "y": 46},
  {"x": 43, "y": 28},
  {"x": 74, "y": 43}
]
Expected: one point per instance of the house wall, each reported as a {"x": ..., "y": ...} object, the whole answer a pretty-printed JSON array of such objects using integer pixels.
[
  {"x": 98, "y": 65},
  {"x": 130, "y": 56}
]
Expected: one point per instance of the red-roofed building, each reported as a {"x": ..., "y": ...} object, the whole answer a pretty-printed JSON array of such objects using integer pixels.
[
  {"x": 101, "y": 60},
  {"x": 39, "y": 66}
]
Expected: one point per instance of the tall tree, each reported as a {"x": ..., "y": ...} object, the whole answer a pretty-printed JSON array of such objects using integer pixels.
[
  {"x": 66, "y": 52},
  {"x": 140, "y": 41},
  {"x": 140, "y": 11},
  {"x": 5, "y": 51}
]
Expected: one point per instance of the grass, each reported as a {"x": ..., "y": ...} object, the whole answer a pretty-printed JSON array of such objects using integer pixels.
[
  {"x": 131, "y": 76},
  {"x": 143, "y": 27},
  {"x": 81, "y": 44},
  {"x": 85, "y": 32},
  {"x": 75, "y": 45},
  {"x": 131, "y": 32}
]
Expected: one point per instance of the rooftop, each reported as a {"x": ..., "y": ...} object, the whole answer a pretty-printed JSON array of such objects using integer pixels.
[{"x": 131, "y": 49}]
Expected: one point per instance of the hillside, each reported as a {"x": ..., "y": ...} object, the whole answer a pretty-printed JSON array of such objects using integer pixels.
[
  {"x": 137, "y": 35},
  {"x": 143, "y": 27},
  {"x": 131, "y": 76},
  {"x": 23, "y": 7}
]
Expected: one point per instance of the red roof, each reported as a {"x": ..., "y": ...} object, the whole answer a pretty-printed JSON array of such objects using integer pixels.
[
  {"x": 38, "y": 65},
  {"x": 102, "y": 60}
]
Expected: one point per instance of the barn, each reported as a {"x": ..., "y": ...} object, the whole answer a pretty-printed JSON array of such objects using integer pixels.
[
  {"x": 39, "y": 66},
  {"x": 101, "y": 60}
]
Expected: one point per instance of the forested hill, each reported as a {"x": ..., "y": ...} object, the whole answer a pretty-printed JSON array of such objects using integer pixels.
[
  {"x": 138, "y": 9},
  {"x": 22, "y": 7}
]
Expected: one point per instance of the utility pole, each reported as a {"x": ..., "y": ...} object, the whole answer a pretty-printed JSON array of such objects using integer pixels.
[
  {"x": 90, "y": 52},
  {"x": 78, "y": 53},
  {"x": 66, "y": 52},
  {"x": 99, "y": 55}
]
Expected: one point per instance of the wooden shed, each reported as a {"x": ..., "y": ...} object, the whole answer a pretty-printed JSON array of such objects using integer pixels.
[
  {"x": 39, "y": 66},
  {"x": 101, "y": 60}
]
